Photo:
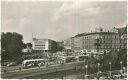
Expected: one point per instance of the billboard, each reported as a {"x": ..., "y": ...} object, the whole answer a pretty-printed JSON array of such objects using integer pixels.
[{"x": 40, "y": 44}]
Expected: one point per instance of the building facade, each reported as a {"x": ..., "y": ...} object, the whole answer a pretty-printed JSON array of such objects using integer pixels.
[
  {"x": 95, "y": 41},
  {"x": 43, "y": 45},
  {"x": 78, "y": 42},
  {"x": 101, "y": 41},
  {"x": 123, "y": 37},
  {"x": 68, "y": 43}
]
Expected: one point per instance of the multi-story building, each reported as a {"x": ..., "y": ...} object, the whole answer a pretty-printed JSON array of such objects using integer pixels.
[
  {"x": 77, "y": 42},
  {"x": 44, "y": 45},
  {"x": 68, "y": 43},
  {"x": 123, "y": 37},
  {"x": 74, "y": 43},
  {"x": 97, "y": 40},
  {"x": 101, "y": 41}
]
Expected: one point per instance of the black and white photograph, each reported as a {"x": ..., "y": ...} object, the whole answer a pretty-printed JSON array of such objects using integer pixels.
[{"x": 63, "y": 39}]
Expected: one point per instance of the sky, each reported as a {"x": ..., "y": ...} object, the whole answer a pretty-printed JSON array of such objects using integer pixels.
[{"x": 59, "y": 20}]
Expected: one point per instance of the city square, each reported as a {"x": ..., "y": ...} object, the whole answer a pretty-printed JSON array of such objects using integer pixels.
[{"x": 64, "y": 40}]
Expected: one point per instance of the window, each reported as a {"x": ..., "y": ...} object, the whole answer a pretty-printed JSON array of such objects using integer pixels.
[
  {"x": 108, "y": 36},
  {"x": 106, "y": 46},
  {"x": 39, "y": 45},
  {"x": 113, "y": 36},
  {"x": 110, "y": 46}
]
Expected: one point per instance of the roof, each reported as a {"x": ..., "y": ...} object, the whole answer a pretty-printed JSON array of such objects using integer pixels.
[
  {"x": 84, "y": 34},
  {"x": 79, "y": 35},
  {"x": 122, "y": 31},
  {"x": 101, "y": 33},
  {"x": 32, "y": 60}
]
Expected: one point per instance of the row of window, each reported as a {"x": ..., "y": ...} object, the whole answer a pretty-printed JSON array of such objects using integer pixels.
[
  {"x": 39, "y": 48},
  {"x": 103, "y": 46},
  {"x": 105, "y": 36},
  {"x": 92, "y": 42},
  {"x": 40, "y": 45}
]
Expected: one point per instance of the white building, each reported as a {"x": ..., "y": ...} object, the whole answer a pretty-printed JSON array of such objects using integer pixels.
[{"x": 42, "y": 45}]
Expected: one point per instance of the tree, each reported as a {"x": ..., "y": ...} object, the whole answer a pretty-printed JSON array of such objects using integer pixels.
[
  {"x": 29, "y": 45},
  {"x": 109, "y": 57},
  {"x": 114, "y": 57},
  {"x": 11, "y": 45},
  {"x": 122, "y": 56}
]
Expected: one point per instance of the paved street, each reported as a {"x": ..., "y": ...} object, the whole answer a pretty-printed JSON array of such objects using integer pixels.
[
  {"x": 42, "y": 70},
  {"x": 69, "y": 74},
  {"x": 66, "y": 71}
]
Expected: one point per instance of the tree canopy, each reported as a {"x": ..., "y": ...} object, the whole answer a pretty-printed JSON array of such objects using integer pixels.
[{"x": 11, "y": 45}]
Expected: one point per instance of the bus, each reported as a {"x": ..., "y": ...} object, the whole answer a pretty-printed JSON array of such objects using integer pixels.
[{"x": 33, "y": 63}]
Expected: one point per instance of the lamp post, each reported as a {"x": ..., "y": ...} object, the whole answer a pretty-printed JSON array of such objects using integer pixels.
[
  {"x": 110, "y": 69},
  {"x": 85, "y": 76},
  {"x": 86, "y": 66},
  {"x": 121, "y": 67},
  {"x": 98, "y": 69},
  {"x": 124, "y": 68}
]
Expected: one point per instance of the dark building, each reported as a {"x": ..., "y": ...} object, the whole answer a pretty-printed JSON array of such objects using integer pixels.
[{"x": 123, "y": 37}]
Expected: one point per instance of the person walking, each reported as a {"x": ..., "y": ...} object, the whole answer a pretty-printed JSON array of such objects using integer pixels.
[
  {"x": 5, "y": 71},
  {"x": 39, "y": 65},
  {"x": 20, "y": 68}
]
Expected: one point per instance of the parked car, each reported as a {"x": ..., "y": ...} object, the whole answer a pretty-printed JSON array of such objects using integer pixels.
[
  {"x": 11, "y": 64},
  {"x": 4, "y": 63}
]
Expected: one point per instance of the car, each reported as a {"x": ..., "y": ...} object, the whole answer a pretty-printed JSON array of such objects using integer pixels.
[
  {"x": 5, "y": 63},
  {"x": 11, "y": 64}
]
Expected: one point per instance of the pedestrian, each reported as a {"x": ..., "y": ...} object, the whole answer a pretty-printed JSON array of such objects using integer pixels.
[
  {"x": 39, "y": 65},
  {"x": 20, "y": 68},
  {"x": 5, "y": 71}
]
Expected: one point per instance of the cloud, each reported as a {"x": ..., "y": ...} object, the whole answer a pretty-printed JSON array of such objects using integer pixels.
[
  {"x": 59, "y": 20},
  {"x": 67, "y": 8},
  {"x": 76, "y": 8},
  {"x": 88, "y": 8},
  {"x": 79, "y": 17}
]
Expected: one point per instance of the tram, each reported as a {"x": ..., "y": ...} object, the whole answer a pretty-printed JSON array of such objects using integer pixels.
[{"x": 33, "y": 63}]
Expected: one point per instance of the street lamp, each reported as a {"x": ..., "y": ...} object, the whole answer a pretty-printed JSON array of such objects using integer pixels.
[
  {"x": 110, "y": 68},
  {"x": 98, "y": 68},
  {"x": 124, "y": 68},
  {"x": 121, "y": 67},
  {"x": 86, "y": 66}
]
